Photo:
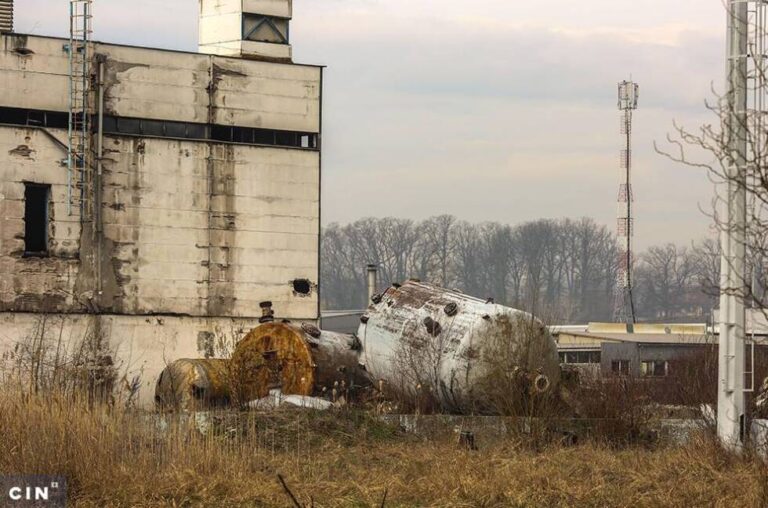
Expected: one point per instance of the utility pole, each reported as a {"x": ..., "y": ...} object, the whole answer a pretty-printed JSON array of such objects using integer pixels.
[{"x": 730, "y": 399}]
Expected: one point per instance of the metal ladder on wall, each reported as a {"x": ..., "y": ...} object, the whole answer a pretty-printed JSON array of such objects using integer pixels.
[{"x": 79, "y": 136}]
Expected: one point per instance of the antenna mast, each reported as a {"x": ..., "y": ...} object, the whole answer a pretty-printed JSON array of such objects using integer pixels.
[
  {"x": 79, "y": 145},
  {"x": 625, "y": 308},
  {"x": 744, "y": 124}
]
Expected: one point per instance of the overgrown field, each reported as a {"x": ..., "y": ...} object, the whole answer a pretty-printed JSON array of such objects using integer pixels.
[{"x": 114, "y": 457}]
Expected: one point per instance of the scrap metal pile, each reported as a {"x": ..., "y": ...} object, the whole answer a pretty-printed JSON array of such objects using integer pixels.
[{"x": 412, "y": 337}]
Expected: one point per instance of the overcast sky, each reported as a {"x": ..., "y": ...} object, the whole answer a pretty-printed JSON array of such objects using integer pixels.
[{"x": 499, "y": 110}]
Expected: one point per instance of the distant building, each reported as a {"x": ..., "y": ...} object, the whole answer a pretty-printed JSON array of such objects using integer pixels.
[
  {"x": 606, "y": 349},
  {"x": 203, "y": 203}
]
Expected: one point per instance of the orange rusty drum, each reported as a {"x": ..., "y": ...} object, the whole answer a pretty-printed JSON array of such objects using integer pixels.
[{"x": 273, "y": 355}]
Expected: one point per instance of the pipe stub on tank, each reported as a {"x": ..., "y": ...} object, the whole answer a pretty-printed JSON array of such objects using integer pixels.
[{"x": 541, "y": 384}]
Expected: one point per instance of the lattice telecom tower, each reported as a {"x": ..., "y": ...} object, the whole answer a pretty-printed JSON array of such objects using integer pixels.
[
  {"x": 625, "y": 308},
  {"x": 79, "y": 145}
]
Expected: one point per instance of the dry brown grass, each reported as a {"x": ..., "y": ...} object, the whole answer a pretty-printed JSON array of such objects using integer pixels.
[{"x": 118, "y": 458}]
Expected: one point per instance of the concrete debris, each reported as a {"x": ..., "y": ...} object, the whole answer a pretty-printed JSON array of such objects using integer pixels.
[{"x": 276, "y": 399}]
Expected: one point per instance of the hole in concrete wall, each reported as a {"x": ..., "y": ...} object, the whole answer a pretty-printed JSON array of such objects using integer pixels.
[
  {"x": 36, "y": 218},
  {"x": 302, "y": 286}
]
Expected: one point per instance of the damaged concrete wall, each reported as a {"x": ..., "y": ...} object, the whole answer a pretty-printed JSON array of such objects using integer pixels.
[
  {"x": 191, "y": 227},
  {"x": 140, "y": 347},
  {"x": 166, "y": 85},
  {"x": 210, "y": 230},
  {"x": 32, "y": 283}
]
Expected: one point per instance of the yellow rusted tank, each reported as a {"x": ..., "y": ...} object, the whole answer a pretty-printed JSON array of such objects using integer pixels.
[
  {"x": 297, "y": 359},
  {"x": 190, "y": 385}
]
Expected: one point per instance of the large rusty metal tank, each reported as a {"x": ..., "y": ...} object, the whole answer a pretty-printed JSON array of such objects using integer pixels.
[
  {"x": 190, "y": 385},
  {"x": 297, "y": 359},
  {"x": 418, "y": 336}
]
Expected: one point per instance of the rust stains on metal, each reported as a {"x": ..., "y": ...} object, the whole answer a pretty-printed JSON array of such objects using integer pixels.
[
  {"x": 299, "y": 360},
  {"x": 419, "y": 333},
  {"x": 194, "y": 384},
  {"x": 274, "y": 355}
]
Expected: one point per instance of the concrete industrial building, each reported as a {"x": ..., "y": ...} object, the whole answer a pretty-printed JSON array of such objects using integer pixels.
[{"x": 202, "y": 200}]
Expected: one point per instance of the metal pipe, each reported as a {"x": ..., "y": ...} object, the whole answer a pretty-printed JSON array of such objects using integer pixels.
[
  {"x": 373, "y": 283},
  {"x": 97, "y": 187},
  {"x": 730, "y": 400}
]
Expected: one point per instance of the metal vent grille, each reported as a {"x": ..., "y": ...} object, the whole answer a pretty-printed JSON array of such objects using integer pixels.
[{"x": 6, "y": 15}]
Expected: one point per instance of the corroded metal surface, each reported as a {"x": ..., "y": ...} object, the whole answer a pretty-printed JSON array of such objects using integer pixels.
[
  {"x": 426, "y": 336},
  {"x": 193, "y": 384},
  {"x": 299, "y": 360}
]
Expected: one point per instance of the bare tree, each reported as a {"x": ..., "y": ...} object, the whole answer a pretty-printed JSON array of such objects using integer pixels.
[{"x": 564, "y": 269}]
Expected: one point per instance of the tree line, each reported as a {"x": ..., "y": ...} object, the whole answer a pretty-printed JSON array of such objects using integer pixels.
[{"x": 563, "y": 270}]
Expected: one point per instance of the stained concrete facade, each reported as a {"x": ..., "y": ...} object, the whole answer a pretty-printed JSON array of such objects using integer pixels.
[{"x": 208, "y": 204}]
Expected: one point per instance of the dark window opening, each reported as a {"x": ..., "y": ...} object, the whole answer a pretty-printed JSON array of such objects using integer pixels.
[
  {"x": 33, "y": 117},
  {"x": 285, "y": 138},
  {"x": 302, "y": 286},
  {"x": 197, "y": 131},
  {"x": 129, "y": 126},
  {"x": 36, "y": 218},
  {"x": 620, "y": 367},
  {"x": 167, "y": 129},
  {"x": 654, "y": 368},
  {"x": 580, "y": 357},
  {"x": 154, "y": 128},
  {"x": 262, "y": 137}
]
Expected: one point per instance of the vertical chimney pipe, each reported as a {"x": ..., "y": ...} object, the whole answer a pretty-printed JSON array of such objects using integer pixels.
[{"x": 373, "y": 283}]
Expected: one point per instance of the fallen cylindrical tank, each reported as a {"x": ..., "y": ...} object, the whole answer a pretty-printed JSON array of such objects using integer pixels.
[
  {"x": 189, "y": 385},
  {"x": 467, "y": 352},
  {"x": 298, "y": 360}
]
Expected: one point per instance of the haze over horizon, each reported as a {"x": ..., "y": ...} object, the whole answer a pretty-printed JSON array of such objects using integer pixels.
[{"x": 495, "y": 111}]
